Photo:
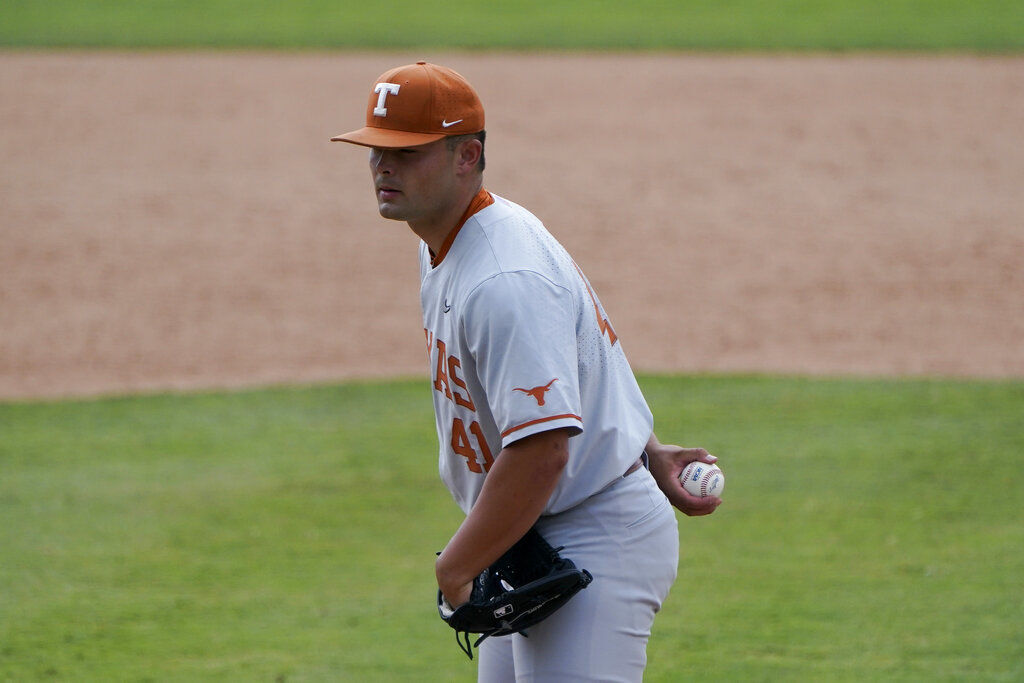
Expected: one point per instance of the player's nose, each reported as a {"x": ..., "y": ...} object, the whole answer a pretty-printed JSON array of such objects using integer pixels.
[{"x": 380, "y": 160}]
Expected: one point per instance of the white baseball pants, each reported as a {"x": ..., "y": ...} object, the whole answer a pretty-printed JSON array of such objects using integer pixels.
[{"x": 627, "y": 537}]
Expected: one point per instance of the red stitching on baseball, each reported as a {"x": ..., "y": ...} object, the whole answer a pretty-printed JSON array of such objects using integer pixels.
[
  {"x": 705, "y": 477},
  {"x": 688, "y": 472},
  {"x": 705, "y": 480}
]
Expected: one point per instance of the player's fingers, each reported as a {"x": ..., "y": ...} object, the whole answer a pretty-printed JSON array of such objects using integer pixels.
[
  {"x": 691, "y": 505},
  {"x": 705, "y": 507},
  {"x": 688, "y": 455}
]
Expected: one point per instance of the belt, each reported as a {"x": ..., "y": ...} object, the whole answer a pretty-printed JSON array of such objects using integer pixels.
[{"x": 634, "y": 467}]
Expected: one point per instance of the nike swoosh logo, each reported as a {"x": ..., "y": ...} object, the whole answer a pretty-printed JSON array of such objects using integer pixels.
[
  {"x": 447, "y": 306},
  {"x": 445, "y": 124}
]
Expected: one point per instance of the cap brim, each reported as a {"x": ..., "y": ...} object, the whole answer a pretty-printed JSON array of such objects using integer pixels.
[{"x": 386, "y": 138}]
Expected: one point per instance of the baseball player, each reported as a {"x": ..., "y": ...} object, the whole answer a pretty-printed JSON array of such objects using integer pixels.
[{"x": 540, "y": 420}]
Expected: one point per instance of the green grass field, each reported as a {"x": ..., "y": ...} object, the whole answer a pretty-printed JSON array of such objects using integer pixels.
[
  {"x": 980, "y": 25},
  {"x": 288, "y": 534}
]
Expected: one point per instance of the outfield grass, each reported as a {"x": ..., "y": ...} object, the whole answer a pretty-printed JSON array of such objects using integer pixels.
[
  {"x": 872, "y": 530},
  {"x": 979, "y": 25}
]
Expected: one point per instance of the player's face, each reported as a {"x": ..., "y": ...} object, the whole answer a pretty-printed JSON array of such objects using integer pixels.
[{"x": 416, "y": 184}]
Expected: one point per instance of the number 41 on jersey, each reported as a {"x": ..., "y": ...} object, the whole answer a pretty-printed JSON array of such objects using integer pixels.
[{"x": 462, "y": 445}]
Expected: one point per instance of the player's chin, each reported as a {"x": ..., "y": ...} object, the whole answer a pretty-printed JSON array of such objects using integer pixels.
[{"x": 391, "y": 211}]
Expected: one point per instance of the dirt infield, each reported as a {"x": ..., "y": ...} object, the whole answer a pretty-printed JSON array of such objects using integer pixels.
[{"x": 172, "y": 221}]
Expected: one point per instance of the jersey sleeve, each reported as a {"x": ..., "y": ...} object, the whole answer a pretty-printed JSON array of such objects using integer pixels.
[{"x": 521, "y": 329}]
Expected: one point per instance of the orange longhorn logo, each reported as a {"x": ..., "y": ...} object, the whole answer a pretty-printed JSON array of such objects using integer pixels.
[{"x": 538, "y": 392}]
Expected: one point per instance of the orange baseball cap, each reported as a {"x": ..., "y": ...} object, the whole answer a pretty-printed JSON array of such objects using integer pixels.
[{"x": 417, "y": 104}]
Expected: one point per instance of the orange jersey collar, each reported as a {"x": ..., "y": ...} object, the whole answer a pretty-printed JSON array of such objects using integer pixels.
[{"x": 481, "y": 201}]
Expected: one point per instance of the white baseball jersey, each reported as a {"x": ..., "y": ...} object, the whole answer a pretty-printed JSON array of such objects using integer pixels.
[{"x": 519, "y": 343}]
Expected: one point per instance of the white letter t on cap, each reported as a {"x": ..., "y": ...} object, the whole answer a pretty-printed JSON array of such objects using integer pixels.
[{"x": 383, "y": 90}]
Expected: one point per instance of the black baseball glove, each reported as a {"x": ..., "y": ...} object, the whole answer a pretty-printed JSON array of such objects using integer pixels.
[{"x": 524, "y": 587}]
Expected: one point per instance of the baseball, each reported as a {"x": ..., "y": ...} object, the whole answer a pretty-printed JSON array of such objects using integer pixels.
[{"x": 702, "y": 479}]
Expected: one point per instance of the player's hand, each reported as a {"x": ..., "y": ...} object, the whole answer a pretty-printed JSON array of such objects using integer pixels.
[
  {"x": 457, "y": 596},
  {"x": 456, "y": 591},
  {"x": 667, "y": 463}
]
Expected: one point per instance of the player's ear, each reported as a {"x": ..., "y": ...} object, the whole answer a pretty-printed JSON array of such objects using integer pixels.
[{"x": 468, "y": 154}]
